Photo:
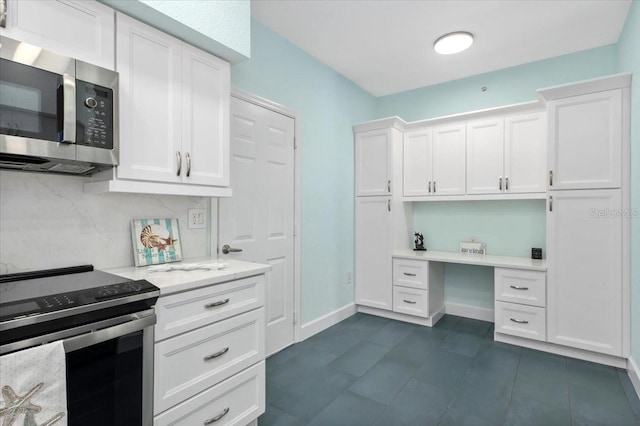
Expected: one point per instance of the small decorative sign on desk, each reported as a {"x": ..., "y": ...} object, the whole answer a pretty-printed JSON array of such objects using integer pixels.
[
  {"x": 155, "y": 241},
  {"x": 473, "y": 248}
]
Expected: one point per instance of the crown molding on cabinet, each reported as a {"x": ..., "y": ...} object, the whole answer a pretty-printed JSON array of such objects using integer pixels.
[{"x": 601, "y": 84}]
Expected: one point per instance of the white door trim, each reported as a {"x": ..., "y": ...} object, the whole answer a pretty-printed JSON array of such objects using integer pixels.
[{"x": 280, "y": 109}]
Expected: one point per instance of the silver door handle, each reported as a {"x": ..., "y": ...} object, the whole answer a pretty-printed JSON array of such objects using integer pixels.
[
  {"x": 218, "y": 303},
  {"x": 216, "y": 418},
  {"x": 179, "y": 161},
  {"x": 550, "y": 204},
  {"x": 226, "y": 249},
  {"x": 389, "y": 205},
  {"x": 429, "y": 187},
  {"x": 434, "y": 186},
  {"x": 550, "y": 177},
  {"x": 409, "y": 275},
  {"x": 500, "y": 183},
  {"x": 411, "y": 302},
  {"x": 217, "y": 354},
  {"x": 389, "y": 185},
  {"x": 188, "y": 165},
  {"x": 506, "y": 183},
  {"x": 69, "y": 106},
  {"x": 519, "y": 321},
  {"x": 518, "y": 287}
]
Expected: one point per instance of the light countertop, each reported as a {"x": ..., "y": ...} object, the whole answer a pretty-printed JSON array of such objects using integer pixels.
[
  {"x": 181, "y": 280},
  {"x": 474, "y": 259}
]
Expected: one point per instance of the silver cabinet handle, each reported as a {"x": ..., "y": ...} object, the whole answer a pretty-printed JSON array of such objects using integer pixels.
[
  {"x": 216, "y": 418},
  {"x": 409, "y": 275},
  {"x": 69, "y": 109},
  {"x": 188, "y": 165},
  {"x": 179, "y": 161},
  {"x": 500, "y": 183},
  {"x": 506, "y": 183},
  {"x": 389, "y": 186},
  {"x": 226, "y": 249},
  {"x": 411, "y": 302},
  {"x": 434, "y": 186},
  {"x": 518, "y": 287},
  {"x": 550, "y": 177},
  {"x": 215, "y": 304},
  {"x": 519, "y": 321},
  {"x": 389, "y": 205},
  {"x": 550, "y": 204},
  {"x": 429, "y": 187},
  {"x": 217, "y": 354}
]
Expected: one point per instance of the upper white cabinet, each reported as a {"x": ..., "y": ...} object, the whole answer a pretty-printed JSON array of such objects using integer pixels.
[
  {"x": 433, "y": 161},
  {"x": 82, "y": 29},
  {"x": 373, "y": 163},
  {"x": 585, "y": 141},
  {"x": 506, "y": 155},
  {"x": 174, "y": 109}
]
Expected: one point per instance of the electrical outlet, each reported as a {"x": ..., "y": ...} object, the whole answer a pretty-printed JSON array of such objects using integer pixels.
[{"x": 197, "y": 218}]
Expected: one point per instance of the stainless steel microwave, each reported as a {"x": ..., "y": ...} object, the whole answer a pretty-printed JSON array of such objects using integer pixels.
[{"x": 57, "y": 114}]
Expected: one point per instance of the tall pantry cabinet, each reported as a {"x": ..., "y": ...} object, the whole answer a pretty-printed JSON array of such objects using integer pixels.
[
  {"x": 382, "y": 220},
  {"x": 587, "y": 220}
]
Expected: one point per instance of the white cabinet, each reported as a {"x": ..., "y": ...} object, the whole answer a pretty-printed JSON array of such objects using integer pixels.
[
  {"x": 82, "y": 29},
  {"x": 374, "y": 224},
  {"x": 433, "y": 161},
  {"x": 507, "y": 155},
  {"x": 584, "y": 258},
  {"x": 418, "y": 288},
  {"x": 585, "y": 141},
  {"x": 174, "y": 109},
  {"x": 373, "y": 163}
]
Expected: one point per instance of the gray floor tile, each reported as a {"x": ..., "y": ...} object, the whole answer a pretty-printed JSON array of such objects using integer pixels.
[
  {"x": 301, "y": 367},
  {"x": 447, "y": 322},
  {"x": 359, "y": 359},
  {"x": 531, "y": 412},
  {"x": 497, "y": 356},
  {"x": 472, "y": 327},
  {"x": 391, "y": 334},
  {"x": 370, "y": 323},
  {"x": 274, "y": 390},
  {"x": 341, "y": 342},
  {"x": 462, "y": 342},
  {"x": 593, "y": 375},
  {"x": 454, "y": 417},
  {"x": 444, "y": 369},
  {"x": 532, "y": 362},
  {"x": 632, "y": 396},
  {"x": 486, "y": 402},
  {"x": 545, "y": 386},
  {"x": 416, "y": 404},
  {"x": 384, "y": 380},
  {"x": 416, "y": 347},
  {"x": 349, "y": 409},
  {"x": 590, "y": 406},
  {"x": 275, "y": 417},
  {"x": 498, "y": 381}
]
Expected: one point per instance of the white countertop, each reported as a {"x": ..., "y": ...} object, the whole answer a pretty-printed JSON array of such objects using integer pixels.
[
  {"x": 181, "y": 280},
  {"x": 474, "y": 259}
]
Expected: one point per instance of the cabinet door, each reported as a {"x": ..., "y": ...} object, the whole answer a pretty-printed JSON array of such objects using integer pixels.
[
  {"x": 585, "y": 141},
  {"x": 81, "y": 29},
  {"x": 373, "y": 252},
  {"x": 525, "y": 153},
  {"x": 584, "y": 261},
  {"x": 485, "y": 160},
  {"x": 449, "y": 160},
  {"x": 205, "y": 118},
  {"x": 149, "y": 66},
  {"x": 373, "y": 163},
  {"x": 416, "y": 163}
]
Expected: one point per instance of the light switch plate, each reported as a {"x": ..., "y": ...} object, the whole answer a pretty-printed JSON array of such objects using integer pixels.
[{"x": 197, "y": 218}]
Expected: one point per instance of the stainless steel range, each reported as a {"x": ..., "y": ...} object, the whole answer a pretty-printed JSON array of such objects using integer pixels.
[{"x": 106, "y": 325}]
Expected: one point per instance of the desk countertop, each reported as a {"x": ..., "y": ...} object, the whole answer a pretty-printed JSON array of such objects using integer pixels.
[{"x": 474, "y": 259}]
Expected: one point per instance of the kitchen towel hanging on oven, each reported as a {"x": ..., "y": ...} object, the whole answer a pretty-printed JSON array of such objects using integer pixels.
[{"x": 33, "y": 385}]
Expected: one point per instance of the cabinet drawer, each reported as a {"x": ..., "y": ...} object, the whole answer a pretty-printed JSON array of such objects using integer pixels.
[
  {"x": 192, "y": 362},
  {"x": 411, "y": 273},
  {"x": 242, "y": 398},
  {"x": 521, "y": 320},
  {"x": 178, "y": 313},
  {"x": 411, "y": 301},
  {"x": 519, "y": 286}
]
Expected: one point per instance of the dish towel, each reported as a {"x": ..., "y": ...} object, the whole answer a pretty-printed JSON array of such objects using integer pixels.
[{"x": 34, "y": 387}]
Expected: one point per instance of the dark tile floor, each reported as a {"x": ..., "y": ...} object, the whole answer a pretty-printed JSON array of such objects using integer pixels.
[{"x": 368, "y": 370}]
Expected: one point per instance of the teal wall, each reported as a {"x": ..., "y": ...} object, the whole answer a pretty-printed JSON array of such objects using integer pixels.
[
  {"x": 328, "y": 105},
  {"x": 629, "y": 55}
]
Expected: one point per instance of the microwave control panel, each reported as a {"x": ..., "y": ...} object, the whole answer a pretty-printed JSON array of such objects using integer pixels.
[{"x": 94, "y": 115}]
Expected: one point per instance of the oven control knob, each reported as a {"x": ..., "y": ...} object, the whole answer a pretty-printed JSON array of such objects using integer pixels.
[{"x": 91, "y": 102}]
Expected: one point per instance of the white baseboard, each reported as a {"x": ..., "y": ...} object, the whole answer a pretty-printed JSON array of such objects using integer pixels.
[
  {"x": 634, "y": 374},
  {"x": 468, "y": 311},
  {"x": 332, "y": 318}
]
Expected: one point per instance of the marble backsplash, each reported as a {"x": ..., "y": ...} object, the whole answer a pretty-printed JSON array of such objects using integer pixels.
[{"x": 47, "y": 221}]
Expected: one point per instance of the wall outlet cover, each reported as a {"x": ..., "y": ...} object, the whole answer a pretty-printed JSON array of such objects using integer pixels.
[{"x": 197, "y": 218}]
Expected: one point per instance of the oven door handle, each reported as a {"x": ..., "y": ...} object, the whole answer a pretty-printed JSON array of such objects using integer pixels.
[{"x": 84, "y": 340}]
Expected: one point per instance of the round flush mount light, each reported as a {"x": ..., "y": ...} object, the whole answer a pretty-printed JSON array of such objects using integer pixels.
[{"x": 454, "y": 42}]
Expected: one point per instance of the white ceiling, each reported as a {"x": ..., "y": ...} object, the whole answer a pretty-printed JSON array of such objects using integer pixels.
[{"x": 385, "y": 46}]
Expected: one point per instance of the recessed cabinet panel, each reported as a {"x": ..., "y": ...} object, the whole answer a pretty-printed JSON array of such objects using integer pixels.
[
  {"x": 525, "y": 153},
  {"x": 417, "y": 169},
  {"x": 585, "y": 141},
  {"x": 449, "y": 160},
  {"x": 373, "y": 163},
  {"x": 485, "y": 160}
]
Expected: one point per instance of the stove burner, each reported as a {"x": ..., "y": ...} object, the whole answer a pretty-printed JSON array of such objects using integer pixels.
[{"x": 107, "y": 291}]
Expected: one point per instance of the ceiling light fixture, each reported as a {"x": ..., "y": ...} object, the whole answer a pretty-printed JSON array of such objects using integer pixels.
[{"x": 454, "y": 42}]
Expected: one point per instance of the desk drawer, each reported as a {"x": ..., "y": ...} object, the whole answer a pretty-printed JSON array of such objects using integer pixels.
[
  {"x": 520, "y": 286},
  {"x": 181, "y": 312},
  {"x": 238, "y": 400},
  {"x": 192, "y": 362},
  {"x": 521, "y": 320},
  {"x": 411, "y": 301},
  {"x": 411, "y": 273}
]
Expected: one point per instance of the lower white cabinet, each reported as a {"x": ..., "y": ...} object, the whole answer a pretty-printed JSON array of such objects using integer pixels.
[
  {"x": 521, "y": 320},
  {"x": 418, "y": 288},
  {"x": 411, "y": 301},
  {"x": 209, "y": 355}
]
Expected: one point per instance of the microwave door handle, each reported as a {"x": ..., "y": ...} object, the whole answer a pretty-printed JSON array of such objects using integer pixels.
[{"x": 69, "y": 109}]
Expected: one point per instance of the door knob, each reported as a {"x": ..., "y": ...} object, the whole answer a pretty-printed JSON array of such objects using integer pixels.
[{"x": 226, "y": 249}]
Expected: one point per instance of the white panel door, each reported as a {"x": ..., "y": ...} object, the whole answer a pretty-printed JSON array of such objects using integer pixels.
[
  {"x": 149, "y": 61},
  {"x": 373, "y": 252},
  {"x": 81, "y": 29},
  {"x": 205, "y": 117},
  {"x": 485, "y": 156},
  {"x": 525, "y": 153},
  {"x": 584, "y": 261},
  {"x": 259, "y": 218},
  {"x": 416, "y": 163},
  {"x": 585, "y": 141},
  {"x": 373, "y": 165},
  {"x": 449, "y": 160}
]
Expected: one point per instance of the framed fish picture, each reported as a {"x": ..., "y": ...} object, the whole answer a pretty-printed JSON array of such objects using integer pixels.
[{"x": 155, "y": 241}]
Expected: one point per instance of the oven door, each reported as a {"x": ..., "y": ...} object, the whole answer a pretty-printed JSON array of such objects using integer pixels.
[{"x": 37, "y": 102}]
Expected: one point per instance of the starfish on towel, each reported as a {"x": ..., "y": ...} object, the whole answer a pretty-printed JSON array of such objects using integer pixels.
[
  {"x": 16, "y": 405},
  {"x": 30, "y": 419}
]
